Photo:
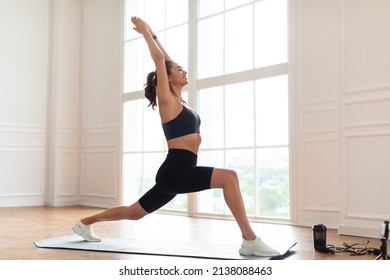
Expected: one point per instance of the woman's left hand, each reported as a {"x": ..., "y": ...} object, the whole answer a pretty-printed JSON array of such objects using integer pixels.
[{"x": 140, "y": 25}]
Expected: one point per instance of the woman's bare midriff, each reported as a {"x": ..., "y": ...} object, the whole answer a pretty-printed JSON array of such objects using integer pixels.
[{"x": 190, "y": 142}]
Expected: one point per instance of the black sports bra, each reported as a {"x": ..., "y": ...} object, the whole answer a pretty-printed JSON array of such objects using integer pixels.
[{"x": 187, "y": 122}]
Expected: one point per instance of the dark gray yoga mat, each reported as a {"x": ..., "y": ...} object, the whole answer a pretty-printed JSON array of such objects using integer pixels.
[{"x": 154, "y": 247}]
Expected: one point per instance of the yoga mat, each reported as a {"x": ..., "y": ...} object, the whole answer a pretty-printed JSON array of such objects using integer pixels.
[{"x": 155, "y": 247}]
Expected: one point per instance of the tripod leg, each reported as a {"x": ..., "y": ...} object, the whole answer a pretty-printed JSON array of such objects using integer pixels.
[{"x": 383, "y": 248}]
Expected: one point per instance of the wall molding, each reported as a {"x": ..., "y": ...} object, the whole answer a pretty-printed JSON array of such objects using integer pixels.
[
  {"x": 85, "y": 176},
  {"x": 68, "y": 138},
  {"x": 367, "y": 100},
  {"x": 96, "y": 195},
  {"x": 98, "y": 138},
  {"x": 21, "y": 201},
  {"x": 73, "y": 171},
  {"x": 352, "y": 230},
  {"x": 362, "y": 216},
  {"x": 368, "y": 90},
  {"x": 24, "y": 194},
  {"x": 22, "y": 136},
  {"x": 366, "y": 135},
  {"x": 321, "y": 209},
  {"x": 332, "y": 138},
  {"x": 357, "y": 186},
  {"x": 376, "y": 112},
  {"x": 328, "y": 103}
]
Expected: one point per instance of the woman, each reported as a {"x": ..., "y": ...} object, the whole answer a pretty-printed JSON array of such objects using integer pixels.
[{"x": 178, "y": 173}]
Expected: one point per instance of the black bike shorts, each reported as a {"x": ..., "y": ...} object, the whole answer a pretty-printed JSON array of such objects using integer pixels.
[{"x": 177, "y": 175}]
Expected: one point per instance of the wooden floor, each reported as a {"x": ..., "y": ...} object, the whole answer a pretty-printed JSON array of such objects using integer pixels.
[{"x": 20, "y": 227}]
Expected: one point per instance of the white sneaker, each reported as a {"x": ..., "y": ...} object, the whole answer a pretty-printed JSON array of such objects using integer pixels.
[
  {"x": 86, "y": 232},
  {"x": 257, "y": 248}
]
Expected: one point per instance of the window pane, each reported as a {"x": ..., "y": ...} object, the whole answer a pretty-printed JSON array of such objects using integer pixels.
[
  {"x": 133, "y": 72},
  {"x": 184, "y": 95},
  {"x": 210, "y": 47},
  {"x": 272, "y": 111},
  {"x": 179, "y": 203},
  {"x": 132, "y": 8},
  {"x": 133, "y": 125},
  {"x": 239, "y": 115},
  {"x": 177, "y": 12},
  {"x": 243, "y": 162},
  {"x": 235, "y": 3},
  {"x": 139, "y": 171},
  {"x": 211, "y": 158},
  {"x": 273, "y": 183},
  {"x": 211, "y": 201},
  {"x": 271, "y": 32},
  {"x": 132, "y": 185},
  {"x": 177, "y": 44},
  {"x": 151, "y": 164},
  {"x": 153, "y": 134},
  {"x": 209, "y": 7},
  {"x": 211, "y": 112},
  {"x": 239, "y": 40},
  {"x": 155, "y": 14}
]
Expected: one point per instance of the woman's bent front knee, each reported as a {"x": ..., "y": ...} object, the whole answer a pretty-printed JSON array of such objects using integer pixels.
[
  {"x": 224, "y": 177},
  {"x": 231, "y": 176}
]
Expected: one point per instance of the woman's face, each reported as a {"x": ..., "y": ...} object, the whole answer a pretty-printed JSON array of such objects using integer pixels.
[{"x": 178, "y": 75}]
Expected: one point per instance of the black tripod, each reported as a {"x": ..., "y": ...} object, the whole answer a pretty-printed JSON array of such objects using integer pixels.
[{"x": 384, "y": 237}]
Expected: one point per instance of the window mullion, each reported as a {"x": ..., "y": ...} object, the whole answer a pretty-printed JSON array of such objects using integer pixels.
[
  {"x": 192, "y": 207},
  {"x": 255, "y": 167}
]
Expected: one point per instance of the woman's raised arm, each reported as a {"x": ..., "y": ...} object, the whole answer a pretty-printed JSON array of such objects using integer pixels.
[
  {"x": 159, "y": 44},
  {"x": 159, "y": 56}
]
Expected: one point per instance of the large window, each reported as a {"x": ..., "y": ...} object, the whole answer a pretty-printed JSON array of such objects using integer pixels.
[{"x": 237, "y": 63}]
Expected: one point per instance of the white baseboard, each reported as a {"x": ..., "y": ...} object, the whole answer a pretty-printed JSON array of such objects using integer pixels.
[
  {"x": 61, "y": 203},
  {"x": 14, "y": 201},
  {"x": 359, "y": 231},
  {"x": 27, "y": 201}
]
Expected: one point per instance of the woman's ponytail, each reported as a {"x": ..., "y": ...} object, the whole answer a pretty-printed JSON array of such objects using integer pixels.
[
  {"x": 151, "y": 89},
  {"x": 151, "y": 84}
]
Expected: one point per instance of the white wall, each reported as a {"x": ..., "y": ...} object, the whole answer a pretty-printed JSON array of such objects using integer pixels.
[
  {"x": 63, "y": 120},
  {"x": 60, "y": 102},
  {"x": 102, "y": 103},
  {"x": 341, "y": 67},
  {"x": 60, "y": 82},
  {"x": 23, "y": 95}
]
